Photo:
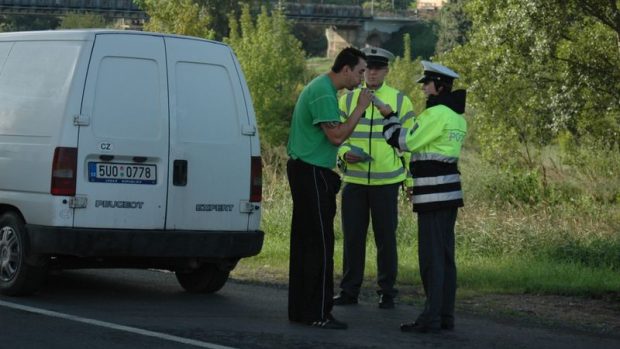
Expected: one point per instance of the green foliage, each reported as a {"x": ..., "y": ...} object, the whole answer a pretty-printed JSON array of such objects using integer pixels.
[
  {"x": 82, "y": 21},
  {"x": 596, "y": 164},
  {"x": 422, "y": 39},
  {"x": 403, "y": 75},
  {"x": 453, "y": 26},
  {"x": 184, "y": 17},
  {"x": 594, "y": 253},
  {"x": 274, "y": 66},
  {"x": 201, "y": 18},
  {"x": 539, "y": 68},
  {"x": 312, "y": 37},
  {"x": 12, "y": 23},
  {"x": 378, "y": 5},
  {"x": 318, "y": 65}
]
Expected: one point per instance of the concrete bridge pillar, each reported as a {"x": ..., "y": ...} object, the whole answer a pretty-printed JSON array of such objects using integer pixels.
[
  {"x": 372, "y": 33},
  {"x": 337, "y": 39}
]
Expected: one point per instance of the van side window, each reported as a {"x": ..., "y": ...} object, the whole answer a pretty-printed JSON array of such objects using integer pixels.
[
  {"x": 34, "y": 85},
  {"x": 127, "y": 99},
  {"x": 206, "y": 108}
]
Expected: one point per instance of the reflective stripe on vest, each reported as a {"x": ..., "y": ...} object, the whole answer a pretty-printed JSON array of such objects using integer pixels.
[
  {"x": 394, "y": 125},
  {"x": 433, "y": 156},
  {"x": 402, "y": 139},
  {"x": 349, "y": 101},
  {"x": 407, "y": 116},
  {"x": 399, "y": 101},
  {"x": 374, "y": 175},
  {"x": 437, "y": 197},
  {"x": 438, "y": 180},
  {"x": 364, "y": 135}
]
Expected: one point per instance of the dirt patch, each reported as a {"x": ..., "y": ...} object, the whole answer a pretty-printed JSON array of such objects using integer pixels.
[{"x": 592, "y": 315}]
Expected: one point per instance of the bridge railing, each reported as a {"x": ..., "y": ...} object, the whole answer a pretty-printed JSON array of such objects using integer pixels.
[
  {"x": 117, "y": 5},
  {"x": 391, "y": 13},
  {"x": 351, "y": 12},
  {"x": 323, "y": 10}
]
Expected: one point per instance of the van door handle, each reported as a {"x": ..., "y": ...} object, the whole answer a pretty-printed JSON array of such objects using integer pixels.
[{"x": 179, "y": 173}]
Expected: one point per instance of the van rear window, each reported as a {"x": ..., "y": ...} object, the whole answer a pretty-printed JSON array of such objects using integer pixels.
[
  {"x": 127, "y": 99},
  {"x": 206, "y": 107}
]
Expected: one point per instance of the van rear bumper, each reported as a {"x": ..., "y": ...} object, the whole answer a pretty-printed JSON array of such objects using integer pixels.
[{"x": 86, "y": 242}]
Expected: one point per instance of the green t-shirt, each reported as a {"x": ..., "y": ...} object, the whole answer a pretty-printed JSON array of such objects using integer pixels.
[{"x": 317, "y": 103}]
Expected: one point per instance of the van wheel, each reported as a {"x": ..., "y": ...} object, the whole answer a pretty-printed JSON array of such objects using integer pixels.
[
  {"x": 206, "y": 279},
  {"x": 17, "y": 276}
]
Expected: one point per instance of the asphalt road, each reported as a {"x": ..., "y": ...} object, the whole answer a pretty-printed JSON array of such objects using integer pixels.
[{"x": 148, "y": 309}]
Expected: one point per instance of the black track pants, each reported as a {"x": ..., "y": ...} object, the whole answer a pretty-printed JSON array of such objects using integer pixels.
[{"x": 311, "y": 284}]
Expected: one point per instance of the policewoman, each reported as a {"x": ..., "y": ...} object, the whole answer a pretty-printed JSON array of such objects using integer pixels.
[
  {"x": 435, "y": 142},
  {"x": 373, "y": 172}
]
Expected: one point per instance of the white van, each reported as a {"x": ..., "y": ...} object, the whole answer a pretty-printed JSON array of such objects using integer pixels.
[{"x": 125, "y": 149}]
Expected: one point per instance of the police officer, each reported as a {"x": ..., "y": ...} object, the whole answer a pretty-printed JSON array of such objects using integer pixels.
[
  {"x": 435, "y": 142},
  {"x": 373, "y": 173}
]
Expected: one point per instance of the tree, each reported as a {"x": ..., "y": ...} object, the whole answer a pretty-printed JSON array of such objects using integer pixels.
[
  {"x": 378, "y": 5},
  {"x": 202, "y": 18},
  {"x": 86, "y": 20},
  {"x": 185, "y": 17},
  {"x": 423, "y": 39},
  {"x": 274, "y": 65},
  {"x": 538, "y": 68},
  {"x": 453, "y": 26},
  {"x": 403, "y": 75},
  {"x": 387, "y": 5}
]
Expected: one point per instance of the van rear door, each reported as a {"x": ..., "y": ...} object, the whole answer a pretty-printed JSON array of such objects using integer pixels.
[
  {"x": 209, "y": 138},
  {"x": 123, "y": 135}
]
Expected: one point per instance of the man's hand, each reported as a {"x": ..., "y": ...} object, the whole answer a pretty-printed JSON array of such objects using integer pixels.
[
  {"x": 351, "y": 158},
  {"x": 364, "y": 99}
]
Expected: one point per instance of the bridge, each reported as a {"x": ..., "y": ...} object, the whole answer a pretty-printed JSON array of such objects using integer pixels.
[
  {"x": 108, "y": 8},
  {"x": 350, "y": 25},
  {"x": 346, "y": 25}
]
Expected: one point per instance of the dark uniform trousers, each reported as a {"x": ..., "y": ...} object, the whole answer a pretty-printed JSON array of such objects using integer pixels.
[
  {"x": 311, "y": 270},
  {"x": 437, "y": 265},
  {"x": 360, "y": 204}
]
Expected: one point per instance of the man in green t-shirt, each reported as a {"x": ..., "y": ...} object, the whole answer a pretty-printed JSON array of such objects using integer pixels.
[{"x": 316, "y": 133}]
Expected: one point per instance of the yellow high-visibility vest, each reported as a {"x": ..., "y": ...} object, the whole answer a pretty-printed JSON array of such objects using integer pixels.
[{"x": 387, "y": 165}]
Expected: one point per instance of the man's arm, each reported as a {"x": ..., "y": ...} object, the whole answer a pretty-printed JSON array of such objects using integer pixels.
[{"x": 338, "y": 132}]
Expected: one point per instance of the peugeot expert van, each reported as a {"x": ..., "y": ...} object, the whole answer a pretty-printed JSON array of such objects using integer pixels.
[{"x": 125, "y": 149}]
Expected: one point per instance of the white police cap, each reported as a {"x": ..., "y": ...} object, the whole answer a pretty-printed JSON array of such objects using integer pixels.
[
  {"x": 377, "y": 57},
  {"x": 435, "y": 71}
]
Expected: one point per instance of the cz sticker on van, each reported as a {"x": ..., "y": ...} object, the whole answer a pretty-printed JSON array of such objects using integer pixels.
[{"x": 108, "y": 172}]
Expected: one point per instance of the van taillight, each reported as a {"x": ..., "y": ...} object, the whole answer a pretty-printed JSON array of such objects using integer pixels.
[
  {"x": 256, "y": 180},
  {"x": 64, "y": 170}
]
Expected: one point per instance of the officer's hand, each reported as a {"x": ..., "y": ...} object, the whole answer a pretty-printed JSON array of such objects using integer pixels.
[
  {"x": 385, "y": 110},
  {"x": 351, "y": 158}
]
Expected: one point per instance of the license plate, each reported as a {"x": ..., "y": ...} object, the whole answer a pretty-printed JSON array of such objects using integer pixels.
[{"x": 108, "y": 172}]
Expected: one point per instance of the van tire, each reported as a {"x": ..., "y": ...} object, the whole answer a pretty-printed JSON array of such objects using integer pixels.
[
  {"x": 206, "y": 279},
  {"x": 17, "y": 276}
]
